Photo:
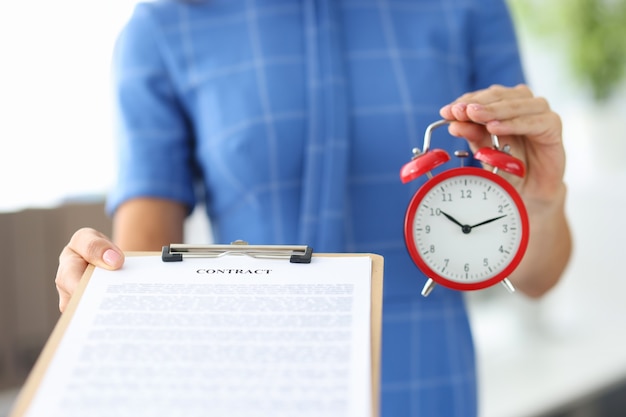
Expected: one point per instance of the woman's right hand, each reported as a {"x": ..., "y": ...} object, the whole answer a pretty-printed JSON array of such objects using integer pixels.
[{"x": 87, "y": 246}]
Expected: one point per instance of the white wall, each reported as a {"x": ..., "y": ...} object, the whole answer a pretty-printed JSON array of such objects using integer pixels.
[{"x": 55, "y": 108}]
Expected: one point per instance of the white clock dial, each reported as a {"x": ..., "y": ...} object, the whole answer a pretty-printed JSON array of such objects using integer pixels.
[{"x": 467, "y": 228}]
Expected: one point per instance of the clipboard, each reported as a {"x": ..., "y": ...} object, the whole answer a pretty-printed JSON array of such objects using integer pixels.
[{"x": 297, "y": 254}]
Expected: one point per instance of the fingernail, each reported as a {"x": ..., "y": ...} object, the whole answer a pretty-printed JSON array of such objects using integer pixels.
[
  {"x": 111, "y": 257},
  {"x": 460, "y": 106}
]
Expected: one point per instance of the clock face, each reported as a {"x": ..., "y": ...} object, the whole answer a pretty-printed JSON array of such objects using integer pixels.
[{"x": 466, "y": 228}]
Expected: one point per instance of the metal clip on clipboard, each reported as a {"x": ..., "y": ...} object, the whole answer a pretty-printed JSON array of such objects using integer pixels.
[{"x": 296, "y": 254}]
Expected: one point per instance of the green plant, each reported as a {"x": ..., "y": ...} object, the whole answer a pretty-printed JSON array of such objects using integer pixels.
[{"x": 594, "y": 35}]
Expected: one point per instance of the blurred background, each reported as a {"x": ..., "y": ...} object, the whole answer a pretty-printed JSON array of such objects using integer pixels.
[{"x": 561, "y": 356}]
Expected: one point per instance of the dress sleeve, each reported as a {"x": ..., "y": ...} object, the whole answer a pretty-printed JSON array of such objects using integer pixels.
[
  {"x": 155, "y": 141},
  {"x": 495, "y": 52}
]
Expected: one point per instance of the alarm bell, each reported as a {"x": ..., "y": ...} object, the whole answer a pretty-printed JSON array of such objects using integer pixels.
[{"x": 426, "y": 160}]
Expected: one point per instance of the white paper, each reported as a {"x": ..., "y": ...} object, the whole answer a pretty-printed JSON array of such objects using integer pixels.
[{"x": 232, "y": 336}]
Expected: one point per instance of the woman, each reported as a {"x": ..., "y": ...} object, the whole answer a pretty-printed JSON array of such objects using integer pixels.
[{"x": 291, "y": 120}]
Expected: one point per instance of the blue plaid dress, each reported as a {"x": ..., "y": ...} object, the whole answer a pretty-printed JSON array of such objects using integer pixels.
[{"x": 291, "y": 120}]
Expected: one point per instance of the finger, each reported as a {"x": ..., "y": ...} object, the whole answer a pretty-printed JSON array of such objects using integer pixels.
[
  {"x": 506, "y": 109},
  {"x": 454, "y": 111},
  {"x": 70, "y": 270},
  {"x": 541, "y": 129},
  {"x": 87, "y": 246},
  {"x": 531, "y": 118},
  {"x": 494, "y": 95},
  {"x": 96, "y": 248},
  {"x": 477, "y": 135}
]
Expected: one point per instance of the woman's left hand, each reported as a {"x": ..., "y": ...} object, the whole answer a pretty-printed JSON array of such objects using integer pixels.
[
  {"x": 533, "y": 131},
  {"x": 521, "y": 120}
]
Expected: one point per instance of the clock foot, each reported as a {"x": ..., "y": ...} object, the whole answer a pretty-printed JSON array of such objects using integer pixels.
[
  {"x": 428, "y": 287},
  {"x": 508, "y": 285}
]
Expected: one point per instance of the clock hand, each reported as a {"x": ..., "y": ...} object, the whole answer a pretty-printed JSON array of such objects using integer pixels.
[
  {"x": 464, "y": 227},
  {"x": 452, "y": 219},
  {"x": 488, "y": 221}
]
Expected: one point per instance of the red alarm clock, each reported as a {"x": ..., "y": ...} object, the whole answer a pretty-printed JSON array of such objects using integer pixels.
[{"x": 465, "y": 228}]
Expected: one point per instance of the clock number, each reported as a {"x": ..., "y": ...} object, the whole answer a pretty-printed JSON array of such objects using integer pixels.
[
  {"x": 432, "y": 249},
  {"x": 427, "y": 228},
  {"x": 505, "y": 228},
  {"x": 484, "y": 195},
  {"x": 466, "y": 194},
  {"x": 466, "y": 267},
  {"x": 500, "y": 208},
  {"x": 446, "y": 197},
  {"x": 485, "y": 262},
  {"x": 435, "y": 212}
]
